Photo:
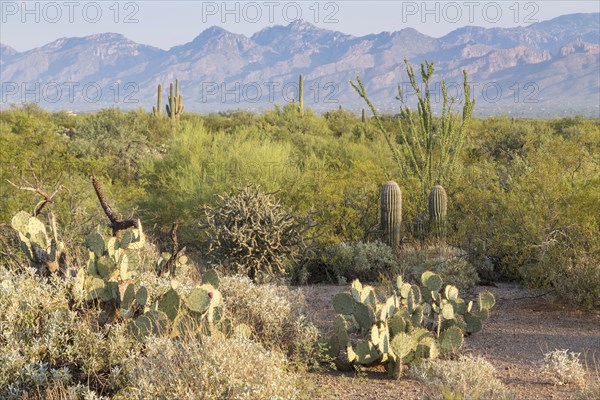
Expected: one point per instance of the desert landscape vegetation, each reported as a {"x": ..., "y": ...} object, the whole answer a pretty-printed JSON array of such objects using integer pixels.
[{"x": 426, "y": 253}]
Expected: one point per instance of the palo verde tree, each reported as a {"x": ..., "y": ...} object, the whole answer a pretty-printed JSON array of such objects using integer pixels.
[{"x": 429, "y": 148}]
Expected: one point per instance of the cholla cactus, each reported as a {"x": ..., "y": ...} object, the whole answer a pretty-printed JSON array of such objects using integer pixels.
[{"x": 253, "y": 233}]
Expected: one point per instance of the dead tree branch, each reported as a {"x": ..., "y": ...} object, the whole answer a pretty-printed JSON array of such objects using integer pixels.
[
  {"x": 116, "y": 225},
  {"x": 175, "y": 253},
  {"x": 36, "y": 188}
]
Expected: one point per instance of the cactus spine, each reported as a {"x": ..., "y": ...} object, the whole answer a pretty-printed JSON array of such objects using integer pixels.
[
  {"x": 175, "y": 106},
  {"x": 301, "y": 95},
  {"x": 437, "y": 210},
  {"x": 391, "y": 213},
  {"x": 158, "y": 109}
]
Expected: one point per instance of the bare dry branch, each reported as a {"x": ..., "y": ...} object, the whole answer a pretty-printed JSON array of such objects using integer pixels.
[
  {"x": 116, "y": 225},
  {"x": 175, "y": 252}
]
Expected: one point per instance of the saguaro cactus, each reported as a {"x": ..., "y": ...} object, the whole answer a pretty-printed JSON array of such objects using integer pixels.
[
  {"x": 158, "y": 109},
  {"x": 175, "y": 106},
  {"x": 391, "y": 213},
  {"x": 363, "y": 117},
  {"x": 301, "y": 95},
  {"x": 437, "y": 210}
]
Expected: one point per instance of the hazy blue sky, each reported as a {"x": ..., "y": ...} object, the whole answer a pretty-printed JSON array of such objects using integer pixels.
[{"x": 28, "y": 24}]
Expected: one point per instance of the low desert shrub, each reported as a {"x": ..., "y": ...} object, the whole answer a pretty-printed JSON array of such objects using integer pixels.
[
  {"x": 338, "y": 263},
  {"x": 276, "y": 316},
  {"x": 45, "y": 343},
  {"x": 469, "y": 377},
  {"x": 561, "y": 367},
  {"x": 210, "y": 368},
  {"x": 572, "y": 265},
  {"x": 449, "y": 262}
]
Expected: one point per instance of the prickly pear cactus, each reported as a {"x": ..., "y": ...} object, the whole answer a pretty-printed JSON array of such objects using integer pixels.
[
  {"x": 181, "y": 266},
  {"x": 40, "y": 249},
  {"x": 176, "y": 312},
  {"x": 417, "y": 322},
  {"x": 112, "y": 262},
  {"x": 437, "y": 211},
  {"x": 391, "y": 213}
]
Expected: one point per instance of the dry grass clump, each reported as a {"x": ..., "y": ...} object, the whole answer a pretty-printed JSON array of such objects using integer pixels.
[
  {"x": 561, "y": 367},
  {"x": 469, "y": 377}
]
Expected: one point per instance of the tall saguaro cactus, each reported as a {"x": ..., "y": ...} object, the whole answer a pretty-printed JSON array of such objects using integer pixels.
[
  {"x": 391, "y": 213},
  {"x": 301, "y": 95},
  {"x": 363, "y": 116},
  {"x": 437, "y": 211},
  {"x": 158, "y": 109},
  {"x": 175, "y": 106}
]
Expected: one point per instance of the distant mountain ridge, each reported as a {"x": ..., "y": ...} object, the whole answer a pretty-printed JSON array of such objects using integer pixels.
[{"x": 551, "y": 67}]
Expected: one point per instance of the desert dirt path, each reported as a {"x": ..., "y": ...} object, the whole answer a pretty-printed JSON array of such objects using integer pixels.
[{"x": 520, "y": 330}]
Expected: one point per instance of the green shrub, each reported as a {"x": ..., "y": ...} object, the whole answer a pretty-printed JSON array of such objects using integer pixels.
[
  {"x": 449, "y": 262},
  {"x": 338, "y": 263},
  {"x": 469, "y": 377},
  {"x": 251, "y": 232}
]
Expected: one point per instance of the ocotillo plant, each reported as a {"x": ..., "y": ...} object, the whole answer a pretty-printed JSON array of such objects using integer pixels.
[
  {"x": 430, "y": 151},
  {"x": 437, "y": 211},
  {"x": 391, "y": 213},
  {"x": 158, "y": 109},
  {"x": 175, "y": 106},
  {"x": 301, "y": 95}
]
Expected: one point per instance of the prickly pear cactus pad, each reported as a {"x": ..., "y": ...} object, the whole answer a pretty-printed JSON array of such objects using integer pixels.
[{"x": 35, "y": 242}]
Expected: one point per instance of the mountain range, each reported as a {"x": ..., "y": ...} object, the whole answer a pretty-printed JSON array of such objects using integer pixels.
[{"x": 548, "y": 68}]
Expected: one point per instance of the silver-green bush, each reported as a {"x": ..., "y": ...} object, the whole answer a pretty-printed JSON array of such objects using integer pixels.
[
  {"x": 210, "y": 368},
  {"x": 276, "y": 316},
  {"x": 469, "y": 377}
]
